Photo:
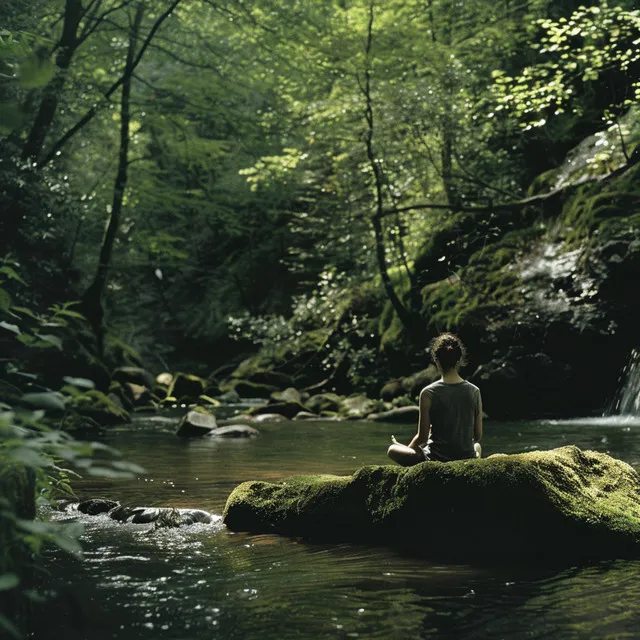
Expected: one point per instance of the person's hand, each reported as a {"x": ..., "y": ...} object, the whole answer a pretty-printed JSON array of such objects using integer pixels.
[{"x": 393, "y": 440}]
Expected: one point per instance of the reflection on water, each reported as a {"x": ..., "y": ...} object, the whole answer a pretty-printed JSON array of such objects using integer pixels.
[{"x": 205, "y": 582}]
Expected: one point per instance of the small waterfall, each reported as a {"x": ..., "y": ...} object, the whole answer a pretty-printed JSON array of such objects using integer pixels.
[{"x": 628, "y": 401}]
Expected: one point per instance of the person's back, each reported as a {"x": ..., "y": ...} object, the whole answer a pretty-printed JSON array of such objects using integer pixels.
[
  {"x": 454, "y": 408},
  {"x": 450, "y": 419}
]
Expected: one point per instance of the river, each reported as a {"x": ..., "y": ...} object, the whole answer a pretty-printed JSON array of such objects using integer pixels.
[{"x": 206, "y": 582}]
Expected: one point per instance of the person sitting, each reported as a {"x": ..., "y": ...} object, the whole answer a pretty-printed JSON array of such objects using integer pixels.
[{"x": 450, "y": 418}]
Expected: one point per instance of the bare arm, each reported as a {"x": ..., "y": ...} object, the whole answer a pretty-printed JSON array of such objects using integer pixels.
[
  {"x": 424, "y": 423},
  {"x": 477, "y": 428}
]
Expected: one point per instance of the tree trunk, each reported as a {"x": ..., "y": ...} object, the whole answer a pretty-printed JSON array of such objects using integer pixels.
[
  {"x": 93, "y": 111},
  {"x": 409, "y": 320},
  {"x": 92, "y": 300},
  {"x": 51, "y": 94},
  {"x": 446, "y": 155}
]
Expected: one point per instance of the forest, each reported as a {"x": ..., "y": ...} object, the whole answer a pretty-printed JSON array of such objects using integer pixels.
[{"x": 203, "y": 201}]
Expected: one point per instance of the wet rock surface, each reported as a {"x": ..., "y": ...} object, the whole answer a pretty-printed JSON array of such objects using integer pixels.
[
  {"x": 196, "y": 424},
  {"x": 234, "y": 431},
  {"x": 544, "y": 506},
  {"x": 160, "y": 517}
]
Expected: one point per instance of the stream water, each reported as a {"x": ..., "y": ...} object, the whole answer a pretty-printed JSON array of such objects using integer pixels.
[{"x": 205, "y": 582}]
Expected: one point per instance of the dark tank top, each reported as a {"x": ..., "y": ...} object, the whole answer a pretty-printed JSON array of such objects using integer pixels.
[{"x": 454, "y": 407}]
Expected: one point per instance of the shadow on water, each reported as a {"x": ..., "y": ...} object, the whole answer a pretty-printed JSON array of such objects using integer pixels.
[{"x": 204, "y": 581}]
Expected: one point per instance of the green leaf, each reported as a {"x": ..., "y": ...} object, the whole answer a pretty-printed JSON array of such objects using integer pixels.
[
  {"x": 82, "y": 383},
  {"x": 71, "y": 314},
  {"x": 104, "y": 472},
  {"x": 11, "y": 273},
  {"x": 5, "y": 298},
  {"x": 47, "y": 400},
  {"x": 8, "y": 581},
  {"x": 26, "y": 312},
  {"x": 35, "y": 72},
  {"x": 9, "y": 627},
  {"x": 30, "y": 458},
  {"x": 36, "y": 527},
  {"x": 68, "y": 544},
  {"x": 54, "y": 340},
  {"x": 10, "y": 327}
]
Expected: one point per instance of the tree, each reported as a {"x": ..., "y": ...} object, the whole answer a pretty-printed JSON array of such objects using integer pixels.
[{"x": 92, "y": 300}]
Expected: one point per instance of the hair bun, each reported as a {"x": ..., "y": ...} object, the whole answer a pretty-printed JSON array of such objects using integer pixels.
[{"x": 448, "y": 351}]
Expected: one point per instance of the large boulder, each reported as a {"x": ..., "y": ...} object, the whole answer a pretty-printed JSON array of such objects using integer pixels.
[
  {"x": 324, "y": 402},
  {"x": 564, "y": 504},
  {"x": 358, "y": 407},
  {"x": 286, "y": 409},
  {"x": 161, "y": 517},
  {"x": 186, "y": 386},
  {"x": 415, "y": 383},
  {"x": 196, "y": 424},
  {"x": 392, "y": 389}
]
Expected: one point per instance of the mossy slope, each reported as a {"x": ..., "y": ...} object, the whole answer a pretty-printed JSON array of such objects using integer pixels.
[{"x": 536, "y": 506}]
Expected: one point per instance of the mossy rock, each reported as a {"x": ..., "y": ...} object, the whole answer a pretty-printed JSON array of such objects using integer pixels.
[
  {"x": 392, "y": 389},
  {"x": 544, "y": 506},
  {"x": 279, "y": 364},
  {"x": 286, "y": 409},
  {"x": 358, "y": 407},
  {"x": 81, "y": 426},
  {"x": 164, "y": 379},
  {"x": 246, "y": 389},
  {"x": 96, "y": 405},
  {"x": 288, "y": 395},
  {"x": 323, "y": 402},
  {"x": 186, "y": 386},
  {"x": 196, "y": 424},
  {"x": 415, "y": 383}
]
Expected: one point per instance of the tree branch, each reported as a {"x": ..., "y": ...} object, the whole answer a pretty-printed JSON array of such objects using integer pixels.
[
  {"x": 89, "y": 115},
  {"x": 525, "y": 202}
]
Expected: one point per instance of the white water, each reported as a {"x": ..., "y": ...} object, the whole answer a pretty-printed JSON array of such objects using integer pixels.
[{"x": 628, "y": 401}]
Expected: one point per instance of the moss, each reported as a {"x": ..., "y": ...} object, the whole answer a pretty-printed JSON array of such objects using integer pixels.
[
  {"x": 544, "y": 182},
  {"x": 488, "y": 285},
  {"x": 186, "y": 386},
  {"x": 391, "y": 330},
  {"x": 602, "y": 211},
  {"x": 565, "y": 503},
  {"x": 96, "y": 405}
]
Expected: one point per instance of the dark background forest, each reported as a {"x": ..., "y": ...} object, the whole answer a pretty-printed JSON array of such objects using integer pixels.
[
  {"x": 252, "y": 196},
  {"x": 317, "y": 189}
]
